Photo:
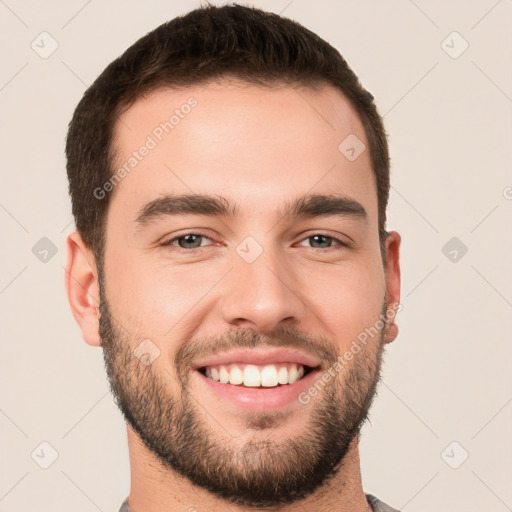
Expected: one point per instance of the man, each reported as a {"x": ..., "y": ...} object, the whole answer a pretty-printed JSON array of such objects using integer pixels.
[{"x": 229, "y": 178}]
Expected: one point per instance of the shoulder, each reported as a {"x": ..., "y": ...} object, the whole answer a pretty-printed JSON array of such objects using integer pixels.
[
  {"x": 124, "y": 506},
  {"x": 376, "y": 504}
]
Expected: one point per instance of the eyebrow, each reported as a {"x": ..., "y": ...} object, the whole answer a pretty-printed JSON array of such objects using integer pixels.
[{"x": 311, "y": 205}]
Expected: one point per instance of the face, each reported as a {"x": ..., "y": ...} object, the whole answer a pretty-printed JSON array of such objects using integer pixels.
[{"x": 223, "y": 312}]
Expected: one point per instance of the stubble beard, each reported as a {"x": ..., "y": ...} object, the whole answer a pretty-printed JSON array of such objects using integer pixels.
[{"x": 264, "y": 472}]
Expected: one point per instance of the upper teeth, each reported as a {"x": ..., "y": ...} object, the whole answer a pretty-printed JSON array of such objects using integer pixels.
[{"x": 254, "y": 376}]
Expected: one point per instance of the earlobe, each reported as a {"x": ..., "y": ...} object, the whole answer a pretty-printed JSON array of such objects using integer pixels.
[
  {"x": 392, "y": 273},
  {"x": 81, "y": 281}
]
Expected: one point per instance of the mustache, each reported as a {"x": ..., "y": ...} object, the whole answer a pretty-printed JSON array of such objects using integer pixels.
[{"x": 285, "y": 337}]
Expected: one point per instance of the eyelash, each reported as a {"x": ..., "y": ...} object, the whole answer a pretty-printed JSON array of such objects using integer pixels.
[{"x": 169, "y": 243}]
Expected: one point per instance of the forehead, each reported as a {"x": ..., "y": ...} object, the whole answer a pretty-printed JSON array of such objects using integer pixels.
[{"x": 252, "y": 145}]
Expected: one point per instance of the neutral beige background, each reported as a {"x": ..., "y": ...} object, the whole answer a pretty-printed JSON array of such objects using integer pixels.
[{"x": 446, "y": 377}]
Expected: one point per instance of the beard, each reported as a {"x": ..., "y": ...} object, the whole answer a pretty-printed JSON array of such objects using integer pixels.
[{"x": 263, "y": 472}]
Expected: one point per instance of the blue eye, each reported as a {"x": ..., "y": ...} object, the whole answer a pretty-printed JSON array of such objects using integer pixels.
[
  {"x": 187, "y": 242},
  {"x": 325, "y": 241},
  {"x": 191, "y": 242}
]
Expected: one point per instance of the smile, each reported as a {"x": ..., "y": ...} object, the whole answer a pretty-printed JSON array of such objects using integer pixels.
[{"x": 254, "y": 376}]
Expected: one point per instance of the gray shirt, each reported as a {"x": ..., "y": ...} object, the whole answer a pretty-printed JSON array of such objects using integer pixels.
[{"x": 375, "y": 503}]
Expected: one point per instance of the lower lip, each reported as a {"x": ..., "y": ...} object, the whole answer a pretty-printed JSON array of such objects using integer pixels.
[{"x": 260, "y": 399}]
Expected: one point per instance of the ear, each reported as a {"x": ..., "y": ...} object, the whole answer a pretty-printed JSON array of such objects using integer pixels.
[
  {"x": 392, "y": 273},
  {"x": 81, "y": 281}
]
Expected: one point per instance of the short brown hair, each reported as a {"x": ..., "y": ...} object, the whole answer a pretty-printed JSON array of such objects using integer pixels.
[{"x": 207, "y": 43}]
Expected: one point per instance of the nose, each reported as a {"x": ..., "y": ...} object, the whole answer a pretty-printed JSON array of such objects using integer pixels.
[{"x": 261, "y": 295}]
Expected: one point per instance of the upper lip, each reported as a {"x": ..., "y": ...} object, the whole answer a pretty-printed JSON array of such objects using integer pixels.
[{"x": 260, "y": 357}]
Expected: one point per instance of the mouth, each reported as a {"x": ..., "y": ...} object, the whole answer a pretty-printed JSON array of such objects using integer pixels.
[
  {"x": 258, "y": 381},
  {"x": 256, "y": 376}
]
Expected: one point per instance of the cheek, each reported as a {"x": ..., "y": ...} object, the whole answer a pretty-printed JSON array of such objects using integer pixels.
[
  {"x": 156, "y": 300},
  {"x": 348, "y": 299}
]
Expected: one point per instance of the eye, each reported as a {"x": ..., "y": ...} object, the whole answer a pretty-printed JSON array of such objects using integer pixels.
[
  {"x": 324, "y": 241},
  {"x": 187, "y": 242},
  {"x": 190, "y": 242}
]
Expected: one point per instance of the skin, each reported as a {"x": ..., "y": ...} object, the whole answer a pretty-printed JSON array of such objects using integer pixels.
[{"x": 257, "y": 148}]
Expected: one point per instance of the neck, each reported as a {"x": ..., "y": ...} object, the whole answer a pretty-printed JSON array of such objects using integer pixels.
[{"x": 155, "y": 488}]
